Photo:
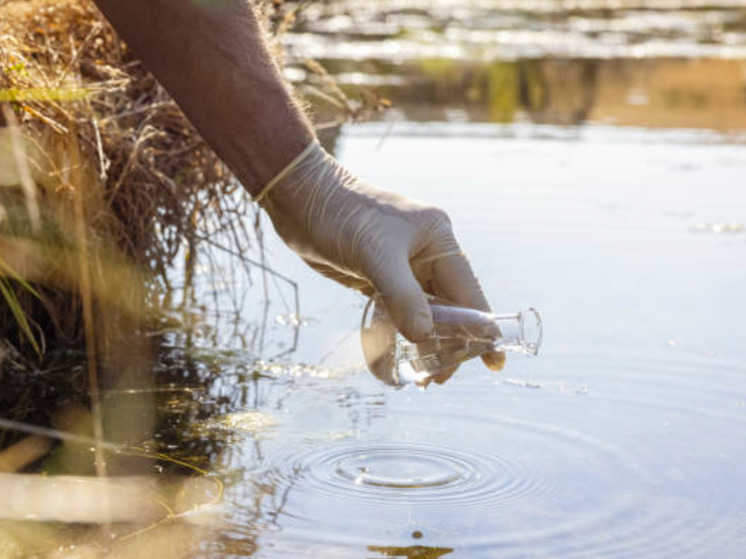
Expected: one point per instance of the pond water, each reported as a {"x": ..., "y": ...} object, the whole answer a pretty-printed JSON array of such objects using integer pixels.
[
  {"x": 592, "y": 156},
  {"x": 675, "y": 63},
  {"x": 623, "y": 438}
]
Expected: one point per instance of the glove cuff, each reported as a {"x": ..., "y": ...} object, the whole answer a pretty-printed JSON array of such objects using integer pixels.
[{"x": 309, "y": 149}]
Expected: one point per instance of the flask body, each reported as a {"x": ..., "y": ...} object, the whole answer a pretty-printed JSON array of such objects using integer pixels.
[{"x": 459, "y": 334}]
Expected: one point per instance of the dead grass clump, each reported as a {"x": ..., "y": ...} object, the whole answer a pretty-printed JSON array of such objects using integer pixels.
[
  {"x": 154, "y": 168},
  {"x": 98, "y": 168}
]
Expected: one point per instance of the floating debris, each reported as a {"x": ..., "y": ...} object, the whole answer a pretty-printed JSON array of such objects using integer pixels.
[
  {"x": 249, "y": 421},
  {"x": 331, "y": 436},
  {"x": 522, "y": 383},
  {"x": 291, "y": 319}
]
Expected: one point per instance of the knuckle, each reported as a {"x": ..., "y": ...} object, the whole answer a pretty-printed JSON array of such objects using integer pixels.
[{"x": 436, "y": 217}]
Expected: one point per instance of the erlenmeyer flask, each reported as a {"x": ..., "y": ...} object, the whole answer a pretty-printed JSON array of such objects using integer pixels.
[{"x": 459, "y": 334}]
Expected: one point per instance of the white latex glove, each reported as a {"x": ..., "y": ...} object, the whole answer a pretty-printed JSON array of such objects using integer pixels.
[{"x": 372, "y": 240}]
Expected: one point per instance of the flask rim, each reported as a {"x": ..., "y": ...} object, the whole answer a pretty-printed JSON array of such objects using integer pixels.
[{"x": 531, "y": 347}]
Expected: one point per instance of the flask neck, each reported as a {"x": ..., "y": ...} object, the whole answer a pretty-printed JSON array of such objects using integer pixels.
[{"x": 519, "y": 332}]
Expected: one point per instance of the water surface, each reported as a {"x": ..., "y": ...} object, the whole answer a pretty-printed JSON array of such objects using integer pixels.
[
  {"x": 622, "y": 439},
  {"x": 677, "y": 64},
  {"x": 592, "y": 158}
]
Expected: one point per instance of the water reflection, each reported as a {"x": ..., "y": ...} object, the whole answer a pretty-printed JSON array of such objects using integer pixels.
[
  {"x": 405, "y": 30},
  {"x": 410, "y": 552},
  {"x": 677, "y": 64},
  {"x": 665, "y": 92}
]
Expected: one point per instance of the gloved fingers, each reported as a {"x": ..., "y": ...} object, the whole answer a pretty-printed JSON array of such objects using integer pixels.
[
  {"x": 495, "y": 360},
  {"x": 403, "y": 297},
  {"x": 455, "y": 281},
  {"x": 348, "y": 280},
  {"x": 443, "y": 376}
]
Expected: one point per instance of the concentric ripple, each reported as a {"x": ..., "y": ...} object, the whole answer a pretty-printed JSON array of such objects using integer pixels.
[
  {"x": 526, "y": 472},
  {"x": 398, "y": 474},
  {"x": 489, "y": 484},
  {"x": 515, "y": 473},
  {"x": 401, "y": 468}
]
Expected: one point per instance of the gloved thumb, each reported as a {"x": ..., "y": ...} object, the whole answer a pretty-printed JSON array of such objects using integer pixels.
[{"x": 404, "y": 299}]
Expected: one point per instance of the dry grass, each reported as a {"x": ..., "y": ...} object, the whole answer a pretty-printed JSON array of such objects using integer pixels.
[
  {"x": 98, "y": 164},
  {"x": 104, "y": 186}
]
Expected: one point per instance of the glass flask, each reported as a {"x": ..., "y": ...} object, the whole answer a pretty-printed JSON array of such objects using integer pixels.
[{"x": 459, "y": 334}]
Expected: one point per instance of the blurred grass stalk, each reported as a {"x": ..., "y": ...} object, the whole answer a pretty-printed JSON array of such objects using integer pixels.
[
  {"x": 111, "y": 290},
  {"x": 154, "y": 519},
  {"x": 107, "y": 287},
  {"x": 140, "y": 500},
  {"x": 100, "y": 175}
]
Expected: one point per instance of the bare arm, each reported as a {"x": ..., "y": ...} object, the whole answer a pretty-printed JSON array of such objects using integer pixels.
[{"x": 211, "y": 57}]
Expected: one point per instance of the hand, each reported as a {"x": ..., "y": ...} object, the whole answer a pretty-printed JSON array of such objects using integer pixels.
[{"x": 373, "y": 241}]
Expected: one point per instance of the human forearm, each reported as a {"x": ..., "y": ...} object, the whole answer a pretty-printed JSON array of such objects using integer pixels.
[{"x": 212, "y": 58}]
